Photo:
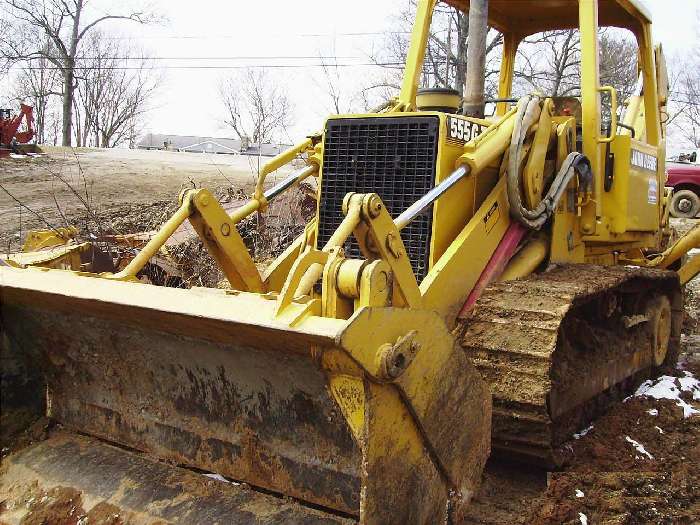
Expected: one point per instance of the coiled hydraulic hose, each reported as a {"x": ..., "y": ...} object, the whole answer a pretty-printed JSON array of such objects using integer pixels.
[{"x": 529, "y": 109}]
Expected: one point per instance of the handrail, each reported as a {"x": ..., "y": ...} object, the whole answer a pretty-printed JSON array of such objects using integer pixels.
[
  {"x": 256, "y": 203},
  {"x": 613, "y": 114},
  {"x": 277, "y": 162}
]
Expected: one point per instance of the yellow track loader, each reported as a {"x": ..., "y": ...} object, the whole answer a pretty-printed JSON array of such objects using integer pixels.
[{"x": 469, "y": 285}]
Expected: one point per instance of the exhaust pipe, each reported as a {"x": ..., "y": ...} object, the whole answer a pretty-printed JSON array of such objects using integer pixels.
[{"x": 474, "y": 100}]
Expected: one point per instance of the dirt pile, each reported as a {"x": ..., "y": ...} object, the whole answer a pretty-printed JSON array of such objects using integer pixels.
[
  {"x": 266, "y": 234},
  {"x": 133, "y": 186},
  {"x": 640, "y": 463},
  {"x": 62, "y": 506}
]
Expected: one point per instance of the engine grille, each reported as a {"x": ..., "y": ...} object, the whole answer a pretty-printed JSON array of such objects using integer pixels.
[{"x": 394, "y": 157}]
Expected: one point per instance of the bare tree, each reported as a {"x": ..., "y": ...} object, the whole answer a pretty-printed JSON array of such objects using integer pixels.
[
  {"x": 39, "y": 85},
  {"x": 684, "y": 100},
  {"x": 111, "y": 98},
  {"x": 685, "y": 97},
  {"x": 64, "y": 23},
  {"x": 256, "y": 106},
  {"x": 618, "y": 62},
  {"x": 342, "y": 87},
  {"x": 550, "y": 62},
  {"x": 5, "y": 29},
  {"x": 331, "y": 83},
  {"x": 445, "y": 62}
]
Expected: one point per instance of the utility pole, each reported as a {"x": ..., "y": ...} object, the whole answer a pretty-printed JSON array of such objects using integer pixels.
[{"x": 474, "y": 101}]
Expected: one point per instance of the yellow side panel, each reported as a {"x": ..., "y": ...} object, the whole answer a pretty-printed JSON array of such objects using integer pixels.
[
  {"x": 615, "y": 201},
  {"x": 633, "y": 202},
  {"x": 567, "y": 246},
  {"x": 455, "y": 208},
  {"x": 448, "y": 283},
  {"x": 644, "y": 197}
]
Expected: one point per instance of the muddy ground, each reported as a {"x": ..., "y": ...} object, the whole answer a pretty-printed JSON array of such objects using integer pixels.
[{"x": 608, "y": 481}]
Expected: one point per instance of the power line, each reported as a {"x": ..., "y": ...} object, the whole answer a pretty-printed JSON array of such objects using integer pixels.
[
  {"x": 398, "y": 65},
  {"x": 213, "y": 67},
  {"x": 148, "y": 58},
  {"x": 282, "y": 35}
]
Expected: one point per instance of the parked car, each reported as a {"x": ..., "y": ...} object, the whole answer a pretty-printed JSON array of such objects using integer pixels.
[{"x": 684, "y": 178}]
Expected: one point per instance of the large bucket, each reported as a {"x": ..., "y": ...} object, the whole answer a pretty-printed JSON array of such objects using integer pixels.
[{"x": 211, "y": 380}]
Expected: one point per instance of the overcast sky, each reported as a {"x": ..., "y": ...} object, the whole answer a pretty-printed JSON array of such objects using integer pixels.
[
  {"x": 218, "y": 30},
  {"x": 260, "y": 29}
]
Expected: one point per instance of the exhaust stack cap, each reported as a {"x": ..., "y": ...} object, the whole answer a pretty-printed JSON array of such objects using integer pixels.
[{"x": 447, "y": 100}]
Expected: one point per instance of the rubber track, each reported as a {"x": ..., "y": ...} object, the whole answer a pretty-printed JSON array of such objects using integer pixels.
[{"x": 515, "y": 338}]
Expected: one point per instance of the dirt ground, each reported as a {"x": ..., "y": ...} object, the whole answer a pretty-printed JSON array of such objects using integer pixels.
[
  {"x": 609, "y": 480},
  {"x": 116, "y": 190}
]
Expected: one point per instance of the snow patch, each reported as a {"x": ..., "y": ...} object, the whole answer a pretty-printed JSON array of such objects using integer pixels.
[
  {"x": 653, "y": 412},
  {"x": 583, "y": 518},
  {"x": 219, "y": 477},
  {"x": 659, "y": 429},
  {"x": 669, "y": 387},
  {"x": 583, "y": 432},
  {"x": 690, "y": 384},
  {"x": 579, "y": 493},
  {"x": 638, "y": 447}
]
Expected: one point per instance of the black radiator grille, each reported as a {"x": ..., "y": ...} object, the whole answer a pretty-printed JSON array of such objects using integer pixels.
[{"x": 394, "y": 157}]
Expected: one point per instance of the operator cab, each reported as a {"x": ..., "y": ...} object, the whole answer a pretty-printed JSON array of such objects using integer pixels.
[
  {"x": 517, "y": 21},
  {"x": 622, "y": 134}
]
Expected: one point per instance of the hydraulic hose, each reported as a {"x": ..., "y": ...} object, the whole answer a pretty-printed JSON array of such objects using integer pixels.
[{"x": 529, "y": 109}]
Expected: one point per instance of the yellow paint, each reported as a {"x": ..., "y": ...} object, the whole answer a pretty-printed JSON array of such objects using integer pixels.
[
  {"x": 416, "y": 53},
  {"x": 450, "y": 280},
  {"x": 41, "y": 239},
  {"x": 689, "y": 270},
  {"x": 349, "y": 393},
  {"x": 527, "y": 259}
]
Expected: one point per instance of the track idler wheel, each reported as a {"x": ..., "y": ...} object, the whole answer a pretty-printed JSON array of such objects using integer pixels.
[{"x": 658, "y": 311}]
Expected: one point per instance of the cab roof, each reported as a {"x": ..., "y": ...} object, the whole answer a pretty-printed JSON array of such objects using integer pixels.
[{"x": 526, "y": 17}]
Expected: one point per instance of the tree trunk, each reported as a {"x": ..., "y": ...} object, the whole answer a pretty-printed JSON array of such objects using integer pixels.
[
  {"x": 78, "y": 127},
  {"x": 68, "y": 88},
  {"x": 86, "y": 128},
  {"x": 40, "y": 119},
  {"x": 461, "y": 69},
  {"x": 69, "y": 76}
]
